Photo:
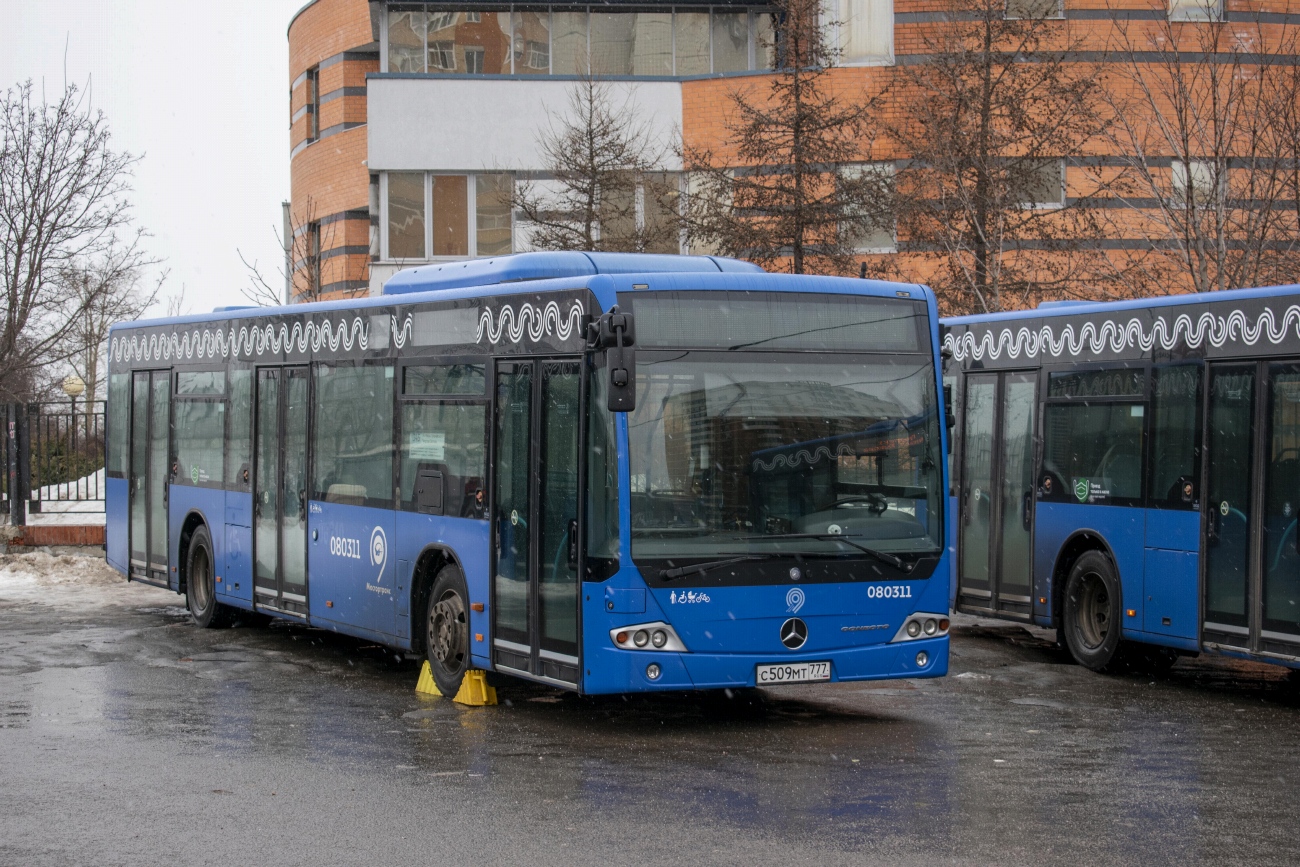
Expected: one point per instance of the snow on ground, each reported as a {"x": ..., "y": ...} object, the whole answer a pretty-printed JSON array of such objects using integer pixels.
[
  {"x": 78, "y": 503},
  {"x": 39, "y": 576}
]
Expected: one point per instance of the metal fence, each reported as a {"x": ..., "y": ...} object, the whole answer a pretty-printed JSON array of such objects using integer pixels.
[{"x": 53, "y": 456}]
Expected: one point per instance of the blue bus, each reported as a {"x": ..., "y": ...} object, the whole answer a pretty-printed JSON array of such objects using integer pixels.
[
  {"x": 1129, "y": 473},
  {"x": 607, "y": 473}
]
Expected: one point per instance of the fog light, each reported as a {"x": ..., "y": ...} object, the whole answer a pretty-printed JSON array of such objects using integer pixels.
[
  {"x": 652, "y": 671},
  {"x": 922, "y": 659},
  {"x": 931, "y": 627},
  {"x": 913, "y": 628},
  {"x": 640, "y": 638},
  {"x": 659, "y": 638}
]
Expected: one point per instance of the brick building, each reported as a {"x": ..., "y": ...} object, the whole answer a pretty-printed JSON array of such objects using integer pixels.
[{"x": 410, "y": 121}]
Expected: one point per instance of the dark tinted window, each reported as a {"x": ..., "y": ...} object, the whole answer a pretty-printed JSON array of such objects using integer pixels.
[
  {"x": 449, "y": 440},
  {"x": 200, "y": 436},
  {"x": 354, "y": 434},
  {"x": 1093, "y": 453},
  {"x": 1175, "y": 429},
  {"x": 777, "y": 320},
  {"x": 238, "y": 437},
  {"x": 1097, "y": 383},
  {"x": 444, "y": 379},
  {"x": 201, "y": 382}
]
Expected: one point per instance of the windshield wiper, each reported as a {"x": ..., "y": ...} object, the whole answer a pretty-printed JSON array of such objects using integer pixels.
[
  {"x": 897, "y": 562},
  {"x": 701, "y": 568}
]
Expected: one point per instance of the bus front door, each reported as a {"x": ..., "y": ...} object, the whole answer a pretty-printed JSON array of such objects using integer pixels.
[
  {"x": 1251, "y": 561},
  {"x": 150, "y": 428},
  {"x": 280, "y": 490},
  {"x": 997, "y": 507},
  {"x": 539, "y": 407}
]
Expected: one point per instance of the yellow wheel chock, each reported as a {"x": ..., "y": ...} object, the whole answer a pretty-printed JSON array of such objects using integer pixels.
[{"x": 474, "y": 690}]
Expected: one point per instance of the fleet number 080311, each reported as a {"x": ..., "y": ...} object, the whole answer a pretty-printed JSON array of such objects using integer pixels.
[{"x": 889, "y": 591}]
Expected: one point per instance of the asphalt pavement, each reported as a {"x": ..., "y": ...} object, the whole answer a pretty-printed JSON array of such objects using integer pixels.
[{"x": 130, "y": 737}]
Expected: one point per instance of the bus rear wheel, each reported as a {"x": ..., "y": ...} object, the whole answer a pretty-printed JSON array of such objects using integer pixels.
[
  {"x": 446, "y": 637},
  {"x": 1092, "y": 616},
  {"x": 201, "y": 585}
]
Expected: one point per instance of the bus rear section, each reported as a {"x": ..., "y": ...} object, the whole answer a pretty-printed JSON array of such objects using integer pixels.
[
  {"x": 590, "y": 474},
  {"x": 1127, "y": 473}
]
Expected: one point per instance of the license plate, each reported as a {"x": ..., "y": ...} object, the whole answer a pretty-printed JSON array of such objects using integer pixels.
[{"x": 792, "y": 672}]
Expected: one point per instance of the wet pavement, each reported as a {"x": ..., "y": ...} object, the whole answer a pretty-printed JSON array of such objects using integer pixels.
[{"x": 128, "y": 736}]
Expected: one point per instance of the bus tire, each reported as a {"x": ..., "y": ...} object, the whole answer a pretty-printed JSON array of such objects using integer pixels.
[
  {"x": 201, "y": 585},
  {"x": 1092, "y": 614},
  {"x": 446, "y": 630}
]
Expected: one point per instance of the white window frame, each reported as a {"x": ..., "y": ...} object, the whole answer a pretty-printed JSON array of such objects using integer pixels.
[
  {"x": 885, "y": 167},
  {"x": 1196, "y": 10},
  {"x": 1054, "y": 205},
  {"x": 835, "y": 12},
  {"x": 1057, "y": 16},
  {"x": 471, "y": 217}
]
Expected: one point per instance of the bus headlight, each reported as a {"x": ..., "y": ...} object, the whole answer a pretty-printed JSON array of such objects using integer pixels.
[
  {"x": 922, "y": 625},
  {"x": 647, "y": 636}
]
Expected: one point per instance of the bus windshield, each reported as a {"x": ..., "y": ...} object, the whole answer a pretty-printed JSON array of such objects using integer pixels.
[{"x": 777, "y": 453}]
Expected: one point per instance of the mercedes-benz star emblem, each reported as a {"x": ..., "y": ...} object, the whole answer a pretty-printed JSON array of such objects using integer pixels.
[{"x": 794, "y": 632}]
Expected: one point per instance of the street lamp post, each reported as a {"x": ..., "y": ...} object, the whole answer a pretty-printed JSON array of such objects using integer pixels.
[{"x": 73, "y": 387}]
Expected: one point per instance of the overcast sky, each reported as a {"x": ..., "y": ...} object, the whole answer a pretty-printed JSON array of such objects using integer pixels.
[{"x": 200, "y": 92}]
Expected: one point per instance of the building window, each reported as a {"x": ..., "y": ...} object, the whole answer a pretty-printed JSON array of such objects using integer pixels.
[
  {"x": 312, "y": 85},
  {"x": 1033, "y": 9},
  {"x": 312, "y": 255},
  {"x": 869, "y": 233},
  {"x": 1195, "y": 10},
  {"x": 453, "y": 216},
  {"x": 573, "y": 40},
  {"x": 864, "y": 31},
  {"x": 1042, "y": 183},
  {"x": 1196, "y": 184},
  {"x": 405, "y": 215}
]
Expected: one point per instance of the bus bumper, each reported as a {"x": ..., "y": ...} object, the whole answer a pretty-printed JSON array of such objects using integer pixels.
[{"x": 626, "y": 670}]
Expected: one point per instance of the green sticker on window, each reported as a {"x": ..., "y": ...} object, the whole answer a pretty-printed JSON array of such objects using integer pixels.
[{"x": 1081, "y": 490}]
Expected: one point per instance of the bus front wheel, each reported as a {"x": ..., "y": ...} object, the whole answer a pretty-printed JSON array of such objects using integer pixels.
[
  {"x": 446, "y": 637},
  {"x": 201, "y": 586},
  {"x": 1092, "y": 615}
]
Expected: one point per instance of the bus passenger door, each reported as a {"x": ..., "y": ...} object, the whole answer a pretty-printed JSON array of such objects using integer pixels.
[
  {"x": 539, "y": 405},
  {"x": 150, "y": 429},
  {"x": 1251, "y": 571},
  {"x": 995, "y": 551},
  {"x": 280, "y": 490}
]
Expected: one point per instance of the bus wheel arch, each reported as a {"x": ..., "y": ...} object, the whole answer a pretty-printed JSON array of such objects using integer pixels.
[
  {"x": 427, "y": 566},
  {"x": 200, "y": 585},
  {"x": 193, "y": 521}
]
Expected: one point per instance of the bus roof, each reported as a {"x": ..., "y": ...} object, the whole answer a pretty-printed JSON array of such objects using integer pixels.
[
  {"x": 1076, "y": 308},
  {"x": 522, "y": 267}
]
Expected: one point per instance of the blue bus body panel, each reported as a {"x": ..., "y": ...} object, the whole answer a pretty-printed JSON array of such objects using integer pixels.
[
  {"x": 352, "y": 568},
  {"x": 469, "y": 542},
  {"x": 1122, "y": 528},
  {"x": 116, "y": 520},
  {"x": 728, "y": 631},
  {"x": 236, "y": 587}
]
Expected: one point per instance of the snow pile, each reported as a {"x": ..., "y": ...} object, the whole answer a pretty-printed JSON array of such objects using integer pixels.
[{"x": 36, "y": 575}]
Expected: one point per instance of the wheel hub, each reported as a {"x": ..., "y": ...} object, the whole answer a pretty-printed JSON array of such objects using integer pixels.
[
  {"x": 1094, "y": 611},
  {"x": 448, "y": 631}
]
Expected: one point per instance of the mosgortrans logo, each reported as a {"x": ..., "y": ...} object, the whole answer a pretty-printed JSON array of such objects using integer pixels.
[{"x": 1081, "y": 489}]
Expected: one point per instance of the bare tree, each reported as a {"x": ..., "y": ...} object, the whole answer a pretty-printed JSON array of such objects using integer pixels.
[
  {"x": 312, "y": 238},
  {"x": 103, "y": 291},
  {"x": 786, "y": 190},
  {"x": 992, "y": 121},
  {"x": 63, "y": 199},
  {"x": 603, "y": 187},
  {"x": 1206, "y": 122}
]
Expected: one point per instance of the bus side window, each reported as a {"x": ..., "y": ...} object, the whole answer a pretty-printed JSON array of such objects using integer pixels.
[{"x": 1175, "y": 436}]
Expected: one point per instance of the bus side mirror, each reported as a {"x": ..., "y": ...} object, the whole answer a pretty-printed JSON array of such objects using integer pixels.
[{"x": 616, "y": 333}]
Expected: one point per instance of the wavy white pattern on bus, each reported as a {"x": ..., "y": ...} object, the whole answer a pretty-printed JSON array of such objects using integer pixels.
[
  {"x": 1118, "y": 336},
  {"x": 536, "y": 322},
  {"x": 802, "y": 456},
  {"x": 257, "y": 340}
]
